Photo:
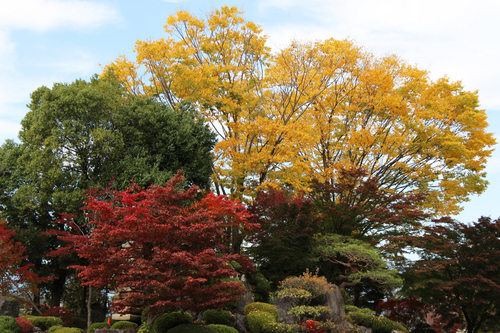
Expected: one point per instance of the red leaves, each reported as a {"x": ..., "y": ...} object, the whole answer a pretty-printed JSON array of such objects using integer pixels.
[
  {"x": 162, "y": 246},
  {"x": 14, "y": 276}
]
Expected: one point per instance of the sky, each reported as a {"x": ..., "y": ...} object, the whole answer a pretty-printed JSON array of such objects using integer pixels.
[{"x": 43, "y": 42}]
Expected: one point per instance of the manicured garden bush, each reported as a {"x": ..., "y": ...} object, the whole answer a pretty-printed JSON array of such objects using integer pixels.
[
  {"x": 60, "y": 329},
  {"x": 44, "y": 323},
  {"x": 257, "y": 319},
  {"x": 8, "y": 324},
  {"x": 25, "y": 326},
  {"x": 169, "y": 320},
  {"x": 221, "y": 317},
  {"x": 79, "y": 322},
  {"x": 97, "y": 326},
  {"x": 190, "y": 328},
  {"x": 123, "y": 325},
  {"x": 365, "y": 317},
  {"x": 217, "y": 328},
  {"x": 60, "y": 312},
  {"x": 263, "y": 307},
  {"x": 280, "y": 328}
]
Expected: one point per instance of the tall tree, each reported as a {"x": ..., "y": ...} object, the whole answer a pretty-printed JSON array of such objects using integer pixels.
[
  {"x": 284, "y": 245},
  {"x": 161, "y": 245},
  {"x": 80, "y": 135},
  {"x": 311, "y": 109},
  {"x": 458, "y": 273}
]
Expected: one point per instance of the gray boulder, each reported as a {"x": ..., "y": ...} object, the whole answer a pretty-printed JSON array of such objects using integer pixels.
[
  {"x": 238, "y": 321},
  {"x": 9, "y": 306}
]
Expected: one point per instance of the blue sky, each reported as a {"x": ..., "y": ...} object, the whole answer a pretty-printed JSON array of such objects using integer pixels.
[{"x": 48, "y": 41}]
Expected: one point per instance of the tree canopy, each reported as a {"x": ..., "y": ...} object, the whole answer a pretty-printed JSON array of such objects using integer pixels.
[
  {"x": 85, "y": 134},
  {"x": 458, "y": 273},
  {"x": 311, "y": 109},
  {"x": 161, "y": 246}
]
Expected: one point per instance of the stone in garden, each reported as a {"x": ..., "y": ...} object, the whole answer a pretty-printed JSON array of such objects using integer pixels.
[
  {"x": 238, "y": 321},
  {"x": 9, "y": 306},
  {"x": 284, "y": 304},
  {"x": 246, "y": 298},
  {"x": 335, "y": 301}
]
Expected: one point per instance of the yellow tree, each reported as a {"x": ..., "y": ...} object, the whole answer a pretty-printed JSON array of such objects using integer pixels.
[{"x": 312, "y": 109}]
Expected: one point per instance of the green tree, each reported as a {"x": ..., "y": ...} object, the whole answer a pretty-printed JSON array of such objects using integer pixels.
[
  {"x": 81, "y": 135},
  {"x": 159, "y": 141}
]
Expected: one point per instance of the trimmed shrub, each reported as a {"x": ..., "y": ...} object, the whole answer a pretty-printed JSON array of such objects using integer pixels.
[
  {"x": 263, "y": 307},
  {"x": 190, "y": 328},
  {"x": 169, "y": 320},
  {"x": 60, "y": 312},
  {"x": 257, "y": 319},
  {"x": 60, "y": 329},
  {"x": 318, "y": 286},
  {"x": 364, "y": 317},
  {"x": 25, "y": 326},
  {"x": 123, "y": 325},
  {"x": 44, "y": 323},
  {"x": 79, "y": 322},
  {"x": 8, "y": 324},
  {"x": 221, "y": 317},
  {"x": 216, "y": 328},
  {"x": 280, "y": 328},
  {"x": 262, "y": 287},
  {"x": 97, "y": 326}
]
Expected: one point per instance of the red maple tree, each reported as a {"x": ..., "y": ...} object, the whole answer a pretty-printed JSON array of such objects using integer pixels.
[
  {"x": 164, "y": 247},
  {"x": 16, "y": 278}
]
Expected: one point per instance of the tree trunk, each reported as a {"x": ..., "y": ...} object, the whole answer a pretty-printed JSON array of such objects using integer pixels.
[{"x": 89, "y": 308}]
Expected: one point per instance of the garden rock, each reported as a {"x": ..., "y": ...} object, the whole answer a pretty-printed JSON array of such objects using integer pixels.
[
  {"x": 238, "y": 321},
  {"x": 246, "y": 298},
  {"x": 335, "y": 301},
  {"x": 9, "y": 306},
  {"x": 284, "y": 304}
]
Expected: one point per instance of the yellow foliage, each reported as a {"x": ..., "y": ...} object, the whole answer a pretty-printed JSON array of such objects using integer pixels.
[{"x": 310, "y": 109}]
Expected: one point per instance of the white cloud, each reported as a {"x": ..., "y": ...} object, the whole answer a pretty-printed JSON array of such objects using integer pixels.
[
  {"x": 453, "y": 38},
  {"x": 42, "y": 15}
]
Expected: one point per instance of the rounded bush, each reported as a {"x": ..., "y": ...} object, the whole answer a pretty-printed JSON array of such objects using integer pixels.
[
  {"x": 123, "y": 325},
  {"x": 216, "y": 328},
  {"x": 44, "y": 323},
  {"x": 190, "y": 328},
  {"x": 60, "y": 312},
  {"x": 263, "y": 307},
  {"x": 97, "y": 326},
  {"x": 280, "y": 328},
  {"x": 382, "y": 324},
  {"x": 8, "y": 324},
  {"x": 170, "y": 320},
  {"x": 79, "y": 322},
  {"x": 221, "y": 317},
  {"x": 60, "y": 329},
  {"x": 257, "y": 319},
  {"x": 25, "y": 326}
]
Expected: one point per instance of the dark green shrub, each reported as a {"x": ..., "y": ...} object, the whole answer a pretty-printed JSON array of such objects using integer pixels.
[
  {"x": 79, "y": 322},
  {"x": 264, "y": 307},
  {"x": 190, "y": 328},
  {"x": 8, "y": 324},
  {"x": 216, "y": 328},
  {"x": 382, "y": 324},
  {"x": 221, "y": 317},
  {"x": 257, "y": 319},
  {"x": 60, "y": 329},
  {"x": 169, "y": 320},
  {"x": 96, "y": 326},
  {"x": 262, "y": 287},
  {"x": 123, "y": 325},
  {"x": 400, "y": 327},
  {"x": 44, "y": 323},
  {"x": 280, "y": 328}
]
